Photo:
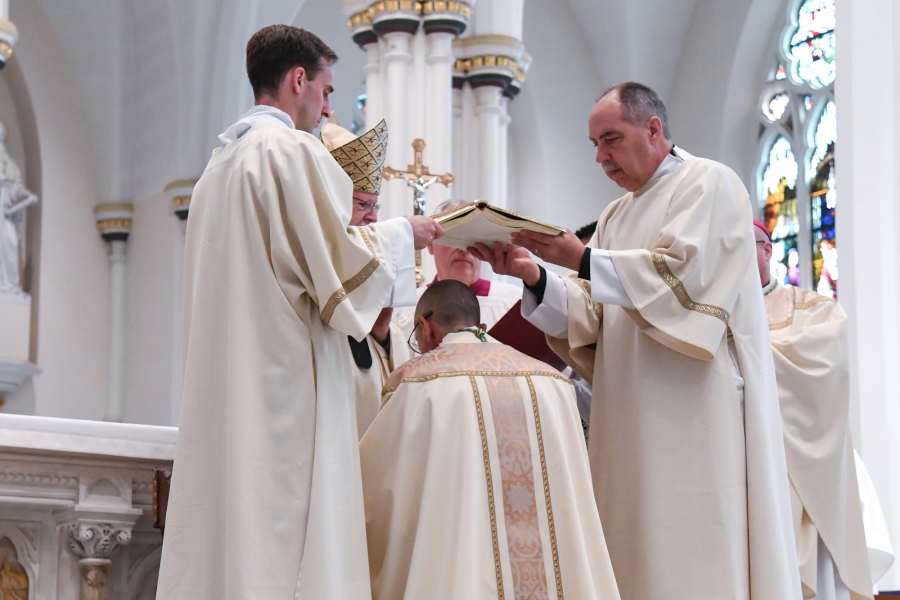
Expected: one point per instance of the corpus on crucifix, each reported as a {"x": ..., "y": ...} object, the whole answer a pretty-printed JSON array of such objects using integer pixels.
[{"x": 419, "y": 178}]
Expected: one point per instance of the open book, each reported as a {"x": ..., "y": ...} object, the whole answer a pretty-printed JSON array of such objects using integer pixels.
[{"x": 480, "y": 222}]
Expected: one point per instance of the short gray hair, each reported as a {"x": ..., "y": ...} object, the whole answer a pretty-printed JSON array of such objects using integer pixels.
[{"x": 639, "y": 103}]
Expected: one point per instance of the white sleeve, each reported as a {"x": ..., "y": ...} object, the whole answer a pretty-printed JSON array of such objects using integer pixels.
[
  {"x": 606, "y": 288},
  {"x": 404, "y": 291},
  {"x": 552, "y": 315}
]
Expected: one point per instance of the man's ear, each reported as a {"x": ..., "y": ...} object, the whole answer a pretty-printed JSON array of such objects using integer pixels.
[
  {"x": 768, "y": 250},
  {"x": 297, "y": 79},
  {"x": 655, "y": 127},
  {"x": 431, "y": 249}
]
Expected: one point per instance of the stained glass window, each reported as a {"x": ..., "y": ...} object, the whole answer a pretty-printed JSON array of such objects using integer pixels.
[
  {"x": 780, "y": 212},
  {"x": 780, "y": 73},
  {"x": 776, "y": 106},
  {"x": 823, "y": 202},
  {"x": 813, "y": 43}
]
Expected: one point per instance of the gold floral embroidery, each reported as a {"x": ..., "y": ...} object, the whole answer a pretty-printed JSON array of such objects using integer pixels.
[
  {"x": 586, "y": 286},
  {"x": 490, "y": 488},
  {"x": 514, "y": 452},
  {"x": 552, "y": 526},
  {"x": 681, "y": 293},
  {"x": 559, "y": 376},
  {"x": 783, "y": 302},
  {"x": 351, "y": 284}
]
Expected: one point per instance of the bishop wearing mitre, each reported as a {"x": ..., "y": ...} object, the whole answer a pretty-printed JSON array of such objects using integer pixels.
[
  {"x": 666, "y": 319},
  {"x": 375, "y": 357},
  {"x": 809, "y": 343},
  {"x": 475, "y": 472},
  {"x": 266, "y": 498}
]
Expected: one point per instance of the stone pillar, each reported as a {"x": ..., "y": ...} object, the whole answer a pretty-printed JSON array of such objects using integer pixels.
[
  {"x": 94, "y": 537},
  {"x": 868, "y": 218},
  {"x": 396, "y": 22},
  {"x": 114, "y": 223},
  {"x": 180, "y": 192},
  {"x": 493, "y": 67}
]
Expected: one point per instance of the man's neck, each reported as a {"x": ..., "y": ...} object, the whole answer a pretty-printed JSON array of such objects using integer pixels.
[{"x": 266, "y": 100}]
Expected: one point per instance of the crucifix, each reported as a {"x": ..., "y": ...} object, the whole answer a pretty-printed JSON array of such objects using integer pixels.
[{"x": 419, "y": 178}]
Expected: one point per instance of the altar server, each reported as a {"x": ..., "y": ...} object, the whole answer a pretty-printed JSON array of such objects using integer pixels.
[
  {"x": 666, "y": 319},
  {"x": 266, "y": 498},
  {"x": 475, "y": 474},
  {"x": 362, "y": 158},
  {"x": 809, "y": 342}
]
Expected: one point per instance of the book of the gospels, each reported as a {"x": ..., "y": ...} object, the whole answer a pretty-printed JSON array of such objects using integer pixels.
[{"x": 480, "y": 222}]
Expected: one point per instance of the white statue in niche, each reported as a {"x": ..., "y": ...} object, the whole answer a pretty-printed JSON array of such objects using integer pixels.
[{"x": 14, "y": 199}]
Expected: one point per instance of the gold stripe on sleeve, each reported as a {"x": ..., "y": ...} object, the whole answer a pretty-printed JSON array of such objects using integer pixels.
[
  {"x": 351, "y": 284},
  {"x": 678, "y": 288}
]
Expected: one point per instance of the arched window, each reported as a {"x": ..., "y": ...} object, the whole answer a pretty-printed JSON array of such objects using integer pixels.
[{"x": 796, "y": 177}]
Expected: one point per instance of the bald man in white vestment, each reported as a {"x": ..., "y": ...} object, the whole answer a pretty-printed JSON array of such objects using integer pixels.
[
  {"x": 666, "y": 319},
  {"x": 475, "y": 474},
  {"x": 362, "y": 158},
  {"x": 809, "y": 343},
  {"x": 266, "y": 498}
]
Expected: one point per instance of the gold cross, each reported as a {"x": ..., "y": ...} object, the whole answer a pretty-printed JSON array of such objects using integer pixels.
[{"x": 418, "y": 177}]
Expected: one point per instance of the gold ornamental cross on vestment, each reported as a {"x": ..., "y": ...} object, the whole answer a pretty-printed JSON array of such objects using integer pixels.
[{"x": 418, "y": 177}]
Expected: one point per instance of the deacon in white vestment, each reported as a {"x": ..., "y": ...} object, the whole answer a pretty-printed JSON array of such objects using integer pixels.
[
  {"x": 475, "y": 476},
  {"x": 809, "y": 343},
  {"x": 266, "y": 498},
  {"x": 494, "y": 297},
  {"x": 666, "y": 319},
  {"x": 362, "y": 158}
]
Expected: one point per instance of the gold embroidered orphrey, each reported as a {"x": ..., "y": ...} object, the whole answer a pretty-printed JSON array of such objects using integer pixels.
[
  {"x": 351, "y": 284},
  {"x": 363, "y": 158},
  {"x": 659, "y": 262}
]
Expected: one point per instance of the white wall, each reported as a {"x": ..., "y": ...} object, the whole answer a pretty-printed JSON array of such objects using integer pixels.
[
  {"x": 553, "y": 176},
  {"x": 72, "y": 303}
]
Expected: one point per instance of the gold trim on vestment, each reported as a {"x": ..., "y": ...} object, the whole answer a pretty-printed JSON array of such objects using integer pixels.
[
  {"x": 476, "y": 374},
  {"x": 678, "y": 288},
  {"x": 490, "y": 488},
  {"x": 552, "y": 526},
  {"x": 351, "y": 284},
  {"x": 798, "y": 306},
  {"x": 586, "y": 286}
]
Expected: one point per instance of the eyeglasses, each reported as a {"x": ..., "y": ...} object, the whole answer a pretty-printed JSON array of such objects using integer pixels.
[
  {"x": 762, "y": 241},
  {"x": 412, "y": 342},
  {"x": 371, "y": 205}
]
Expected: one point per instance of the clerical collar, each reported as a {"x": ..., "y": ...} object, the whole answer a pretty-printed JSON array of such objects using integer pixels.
[
  {"x": 260, "y": 112},
  {"x": 671, "y": 162},
  {"x": 482, "y": 287},
  {"x": 478, "y": 332},
  {"x": 770, "y": 287}
]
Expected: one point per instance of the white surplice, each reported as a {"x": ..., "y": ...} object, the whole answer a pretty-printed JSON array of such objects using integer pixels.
[
  {"x": 692, "y": 490},
  {"x": 266, "y": 498}
]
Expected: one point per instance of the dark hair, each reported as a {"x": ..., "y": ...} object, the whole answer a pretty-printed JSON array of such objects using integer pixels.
[
  {"x": 274, "y": 50},
  {"x": 453, "y": 304},
  {"x": 639, "y": 103},
  {"x": 586, "y": 231}
]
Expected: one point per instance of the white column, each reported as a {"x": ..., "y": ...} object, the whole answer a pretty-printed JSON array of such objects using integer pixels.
[
  {"x": 458, "y": 161},
  {"x": 489, "y": 112},
  {"x": 439, "y": 110},
  {"x": 503, "y": 158},
  {"x": 114, "y": 223},
  {"x": 374, "y": 92},
  {"x": 180, "y": 192},
  {"x": 9, "y": 33},
  {"x": 868, "y": 219},
  {"x": 395, "y": 196},
  {"x": 116, "y": 329}
]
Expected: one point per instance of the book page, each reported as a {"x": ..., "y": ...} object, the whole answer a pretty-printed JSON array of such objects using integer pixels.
[{"x": 481, "y": 226}]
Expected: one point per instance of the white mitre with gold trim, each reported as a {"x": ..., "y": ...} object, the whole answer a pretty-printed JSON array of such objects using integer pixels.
[{"x": 362, "y": 158}]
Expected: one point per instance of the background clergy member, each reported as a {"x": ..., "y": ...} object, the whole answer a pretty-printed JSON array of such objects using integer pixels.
[
  {"x": 494, "y": 297},
  {"x": 809, "y": 342},
  {"x": 666, "y": 319},
  {"x": 362, "y": 158},
  {"x": 475, "y": 476},
  {"x": 266, "y": 498}
]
